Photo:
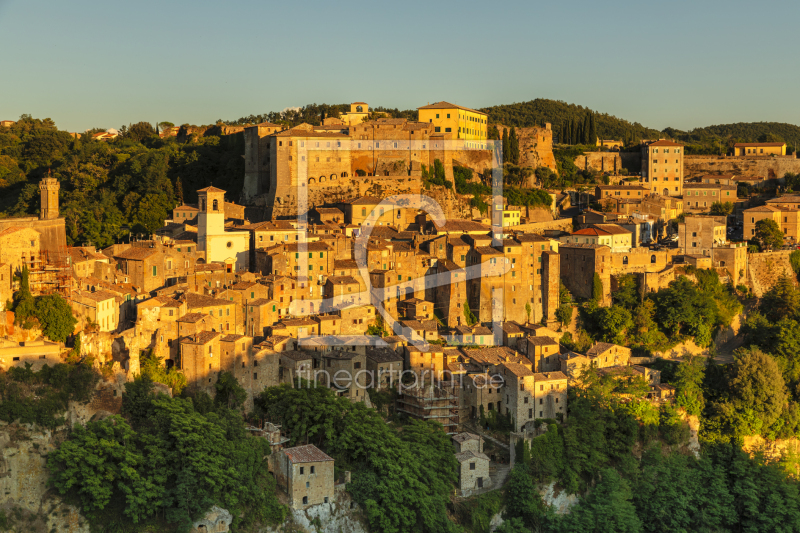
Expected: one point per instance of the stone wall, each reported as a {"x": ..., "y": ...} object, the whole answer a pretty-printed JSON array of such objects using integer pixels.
[
  {"x": 599, "y": 161},
  {"x": 538, "y": 228},
  {"x": 765, "y": 269},
  {"x": 767, "y": 167}
]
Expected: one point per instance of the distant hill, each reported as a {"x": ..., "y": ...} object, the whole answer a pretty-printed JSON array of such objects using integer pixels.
[{"x": 556, "y": 112}]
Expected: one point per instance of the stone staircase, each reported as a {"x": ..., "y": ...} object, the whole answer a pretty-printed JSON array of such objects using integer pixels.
[{"x": 499, "y": 474}]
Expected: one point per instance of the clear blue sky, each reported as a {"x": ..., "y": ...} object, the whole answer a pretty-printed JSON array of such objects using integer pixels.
[{"x": 682, "y": 63}]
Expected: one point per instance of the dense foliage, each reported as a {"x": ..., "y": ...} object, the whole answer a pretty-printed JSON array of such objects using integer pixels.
[
  {"x": 165, "y": 464},
  {"x": 402, "y": 479},
  {"x": 52, "y": 312},
  {"x": 42, "y": 397},
  {"x": 109, "y": 189},
  {"x": 667, "y": 489}
]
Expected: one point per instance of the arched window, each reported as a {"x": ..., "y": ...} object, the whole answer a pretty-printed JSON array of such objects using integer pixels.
[
  {"x": 625, "y": 260},
  {"x": 216, "y": 206},
  {"x": 344, "y": 174},
  {"x": 311, "y": 180},
  {"x": 322, "y": 179},
  {"x": 666, "y": 192},
  {"x": 653, "y": 258},
  {"x": 333, "y": 176}
]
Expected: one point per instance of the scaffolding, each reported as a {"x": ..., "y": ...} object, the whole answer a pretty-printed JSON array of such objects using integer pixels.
[
  {"x": 50, "y": 273},
  {"x": 432, "y": 402}
]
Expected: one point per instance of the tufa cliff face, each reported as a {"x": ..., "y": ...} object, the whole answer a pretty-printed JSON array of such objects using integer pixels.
[{"x": 535, "y": 147}]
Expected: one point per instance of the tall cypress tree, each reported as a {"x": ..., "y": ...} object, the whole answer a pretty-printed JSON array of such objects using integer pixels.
[
  {"x": 592, "y": 129},
  {"x": 505, "y": 143},
  {"x": 513, "y": 146},
  {"x": 585, "y": 131},
  {"x": 572, "y": 131}
]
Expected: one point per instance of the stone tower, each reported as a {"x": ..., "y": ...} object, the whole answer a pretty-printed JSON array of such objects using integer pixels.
[
  {"x": 49, "y": 191},
  {"x": 211, "y": 219}
]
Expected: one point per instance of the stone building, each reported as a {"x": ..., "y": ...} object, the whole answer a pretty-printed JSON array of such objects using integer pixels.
[
  {"x": 99, "y": 308},
  {"x": 473, "y": 472},
  {"x": 579, "y": 263},
  {"x": 385, "y": 366},
  {"x": 460, "y": 122},
  {"x": 306, "y": 474},
  {"x": 787, "y": 218},
  {"x": 19, "y": 247},
  {"x": 701, "y": 234},
  {"x": 141, "y": 267},
  {"x": 662, "y": 167},
  {"x": 200, "y": 359},
  {"x": 464, "y": 442}
]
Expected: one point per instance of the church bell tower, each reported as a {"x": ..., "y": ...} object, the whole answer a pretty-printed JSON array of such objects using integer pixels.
[{"x": 48, "y": 188}]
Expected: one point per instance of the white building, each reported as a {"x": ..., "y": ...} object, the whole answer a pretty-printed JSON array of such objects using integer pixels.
[{"x": 218, "y": 243}]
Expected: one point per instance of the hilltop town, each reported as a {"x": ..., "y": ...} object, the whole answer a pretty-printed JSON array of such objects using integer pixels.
[{"x": 386, "y": 261}]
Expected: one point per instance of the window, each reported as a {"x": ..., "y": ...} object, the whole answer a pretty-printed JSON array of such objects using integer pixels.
[
  {"x": 305, "y": 500},
  {"x": 472, "y": 466},
  {"x": 302, "y": 470},
  {"x": 155, "y": 270},
  {"x": 437, "y": 129}
]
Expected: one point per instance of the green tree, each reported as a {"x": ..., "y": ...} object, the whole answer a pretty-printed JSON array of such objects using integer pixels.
[
  {"x": 755, "y": 394},
  {"x": 229, "y": 392},
  {"x": 688, "y": 383},
  {"x": 614, "y": 323},
  {"x": 607, "y": 509},
  {"x": 55, "y": 317},
  {"x": 513, "y": 146},
  {"x": 522, "y": 500},
  {"x": 506, "y": 147},
  {"x": 513, "y": 525},
  {"x": 721, "y": 208},
  {"x": 564, "y": 311},
  {"x": 597, "y": 288},
  {"x": 24, "y": 303},
  {"x": 140, "y": 132},
  {"x": 768, "y": 234}
]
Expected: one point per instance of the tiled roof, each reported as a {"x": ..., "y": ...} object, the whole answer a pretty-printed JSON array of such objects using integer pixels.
[
  {"x": 297, "y": 355},
  {"x": 542, "y": 341},
  {"x": 663, "y": 142},
  {"x": 461, "y": 225},
  {"x": 383, "y": 355},
  {"x": 465, "y": 436},
  {"x": 448, "y": 105},
  {"x": 195, "y": 301},
  {"x": 210, "y": 189},
  {"x": 518, "y": 369},
  {"x": 600, "y": 347},
  {"x": 306, "y": 454},
  {"x": 470, "y": 455},
  {"x": 342, "y": 280},
  {"x": 297, "y": 132},
  {"x": 740, "y": 145},
  {"x": 202, "y": 337},
  {"x": 549, "y": 376},
  {"x": 613, "y": 229},
  {"x": 192, "y": 317},
  {"x": 233, "y": 337},
  {"x": 137, "y": 253}
]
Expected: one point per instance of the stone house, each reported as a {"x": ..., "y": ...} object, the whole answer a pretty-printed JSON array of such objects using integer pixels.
[
  {"x": 83, "y": 259},
  {"x": 306, "y": 474},
  {"x": 543, "y": 353},
  {"x": 225, "y": 314},
  {"x": 260, "y": 315},
  {"x": 385, "y": 366},
  {"x": 295, "y": 364},
  {"x": 606, "y": 354},
  {"x": 99, "y": 307},
  {"x": 142, "y": 267},
  {"x": 37, "y": 353},
  {"x": 550, "y": 395},
  {"x": 344, "y": 371},
  {"x": 200, "y": 359},
  {"x": 473, "y": 472},
  {"x": 6, "y": 278},
  {"x": 464, "y": 442}
]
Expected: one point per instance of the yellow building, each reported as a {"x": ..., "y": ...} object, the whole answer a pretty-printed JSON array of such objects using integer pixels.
[
  {"x": 463, "y": 122},
  {"x": 359, "y": 111},
  {"x": 752, "y": 149},
  {"x": 511, "y": 216}
]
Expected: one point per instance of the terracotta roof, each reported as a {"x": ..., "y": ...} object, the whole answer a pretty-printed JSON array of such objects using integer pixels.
[
  {"x": 789, "y": 199},
  {"x": 663, "y": 142},
  {"x": 186, "y": 208},
  {"x": 600, "y": 347},
  {"x": 739, "y": 145},
  {"x": 344, "y": 264},
  {"x": 233, "y": 337},
  {"x": 297, "y": 132},
  {"x": 342, "y": 280},
  {"x": 541, "y": 341},
  {"x": 259, "y": 302},
  {"x": 462, "y": 225},
  {"x": 518, "y": 369},
  {"x": 194, "y": 301},
  {"x": 549, "y": 376},
  {"x": 201, "y": 338},
  {"x": 448, "y": 105},
  {"x": 306, "y": 454},
  {"x": 613, "y": 229},
  {"x": 622, "y": 188},
  {"x": 192, "y": 317},
  {"x": 137, "y": 253},
  {"x": 210, "y": 189},
  {"x": 591, "y": 231}
]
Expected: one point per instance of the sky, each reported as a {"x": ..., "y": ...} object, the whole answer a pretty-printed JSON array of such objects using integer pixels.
[{"x": 681, "y": 64}]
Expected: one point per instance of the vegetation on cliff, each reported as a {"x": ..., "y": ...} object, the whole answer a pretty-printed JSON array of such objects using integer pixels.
[
  {"x": 402, "y": 479},
  {"x": 164, "y": 464}
]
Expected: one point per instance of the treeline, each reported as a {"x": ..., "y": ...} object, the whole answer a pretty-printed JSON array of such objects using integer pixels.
[
  {"x": 314, "y": 114},
  {"x": 112, "y": 189},
  {"x": 166, "y": 461},
  {"x": 559, "y": 114}
]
